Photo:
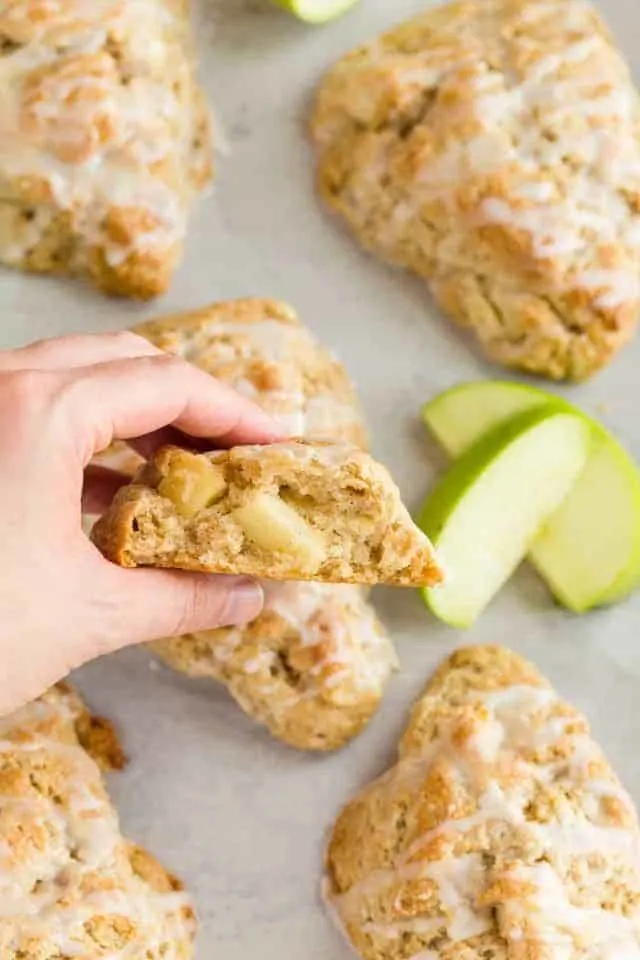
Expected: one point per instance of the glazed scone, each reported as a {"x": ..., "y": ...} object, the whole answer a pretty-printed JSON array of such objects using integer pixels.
[
  {"x": 493, "y": 147},
  {"x": 104, "y": 139},
  {"x": 294, "y": 510},
  {"x": 502, "y": 832},
  {"x": 312, "y": 668},
  {"x": 260, "y": 348},
  {"x": 70, "y": 885}
]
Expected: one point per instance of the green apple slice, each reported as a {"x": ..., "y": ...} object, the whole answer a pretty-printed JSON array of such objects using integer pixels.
[
  {"x": 589, "y": 551},
  {"x": 316, "y": 11},
  {"x": 486, "y": 511},
  {"x": 458, "y": 417}
]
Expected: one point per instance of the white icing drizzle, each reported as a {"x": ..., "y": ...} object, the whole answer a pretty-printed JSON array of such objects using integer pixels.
[
  {"x": 301, "y": 411},
  {"x": 75, "y": 869},
  {"x": 565, "y": 224},
  {"x": 561, "y": 139},
  {"x": 496, "y": 762},
  {"x": 356, "y": 644},
  {"x": 91, "y": 139},
  {"x": 336, "y": 621}
]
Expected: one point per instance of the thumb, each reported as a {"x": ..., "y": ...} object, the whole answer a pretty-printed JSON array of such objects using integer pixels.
[{"x": 167, "y": 603}]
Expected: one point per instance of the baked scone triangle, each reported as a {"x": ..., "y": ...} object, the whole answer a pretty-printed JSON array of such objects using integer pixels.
[
  {"x": 502, "y": 832},
  {"x": 295, "y": 510},
  {"x": 70, "y": 885},
  {"x": 493, "y": 147},
  {"x": 313, "y": 667},
  {"x": 104, "y": 140}
]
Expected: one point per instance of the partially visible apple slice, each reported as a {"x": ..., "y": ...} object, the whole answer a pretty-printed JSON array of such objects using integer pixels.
[
  {"x": 460, "y": 416},
  {"x": 488, "y": 508},
  {"x": 589, "y": 551},
  {"x": 316, "y": 11}
]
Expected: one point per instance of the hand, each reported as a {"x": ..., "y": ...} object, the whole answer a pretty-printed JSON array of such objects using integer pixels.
[{"x": 61, "y": 602}]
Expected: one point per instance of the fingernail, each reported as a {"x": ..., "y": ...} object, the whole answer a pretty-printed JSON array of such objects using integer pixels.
[{"x": 244, "y": 603}]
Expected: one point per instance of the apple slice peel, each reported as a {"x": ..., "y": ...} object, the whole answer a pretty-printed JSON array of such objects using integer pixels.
[
  {"x": 316, "y": 11},
  {"x": 488, "y": 508},
  {"x": 589, "y": 550}
]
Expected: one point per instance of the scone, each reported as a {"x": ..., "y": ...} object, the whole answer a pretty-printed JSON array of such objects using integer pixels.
[
  {"x": 70, "y": 886},
  {"x": 502, "y": 832},
  {"x": 314, "y": 665},
  {"x": 294, "y": 510},
  {"x": 103, "y": 139},
  {"x": 312, "y": 668},
  {"x": 260, "y": 348},
  {"x": 493, "y": 147}
]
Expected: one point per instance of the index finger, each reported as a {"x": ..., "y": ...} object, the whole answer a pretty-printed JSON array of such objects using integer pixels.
[{"x": 122, "y": 399}]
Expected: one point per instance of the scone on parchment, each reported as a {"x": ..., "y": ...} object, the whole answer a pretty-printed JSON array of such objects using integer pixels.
[
  {"x": 312, "y": 668},
  {"x": 502, "y": 832},
  {"x": 260, "y": 348},
  {"x": 70, "y": 885},
  {"x": 294, "y": 510},
  {"x": 493, "y": 147},
  {"x": 314, "y": 665},
  {"x": 103, "y": 139}
]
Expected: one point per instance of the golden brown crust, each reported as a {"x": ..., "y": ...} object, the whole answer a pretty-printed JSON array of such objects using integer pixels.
[
  {"x": 107, "y": 140},
  {"x": 151, "y": 871},
  {"x": 97, "y": 736},
  {"x": 70, "y": 885},
  {"x": 313, "y": 666},
  {"x": 286, "y": 511},
  {"x": 501, "y": 832},
  {"x": 493, "y": 147}
]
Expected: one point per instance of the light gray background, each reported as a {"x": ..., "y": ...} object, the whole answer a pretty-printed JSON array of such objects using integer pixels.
[{"x": 241, "y": 818}]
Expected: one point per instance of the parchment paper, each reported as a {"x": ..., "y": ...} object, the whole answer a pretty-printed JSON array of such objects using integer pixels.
[{"x": 241, "y": 818}]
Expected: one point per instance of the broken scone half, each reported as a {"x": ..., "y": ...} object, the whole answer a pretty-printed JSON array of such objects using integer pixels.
[
  {"x": 287, "y": 511},
  {"x": 493, "y": 147},
  {"x": 312, "y": 667},
  {"x": 502, "y": 831},
  {"x": 70, "y": 885},
  {"x": 104, "y": 141}
]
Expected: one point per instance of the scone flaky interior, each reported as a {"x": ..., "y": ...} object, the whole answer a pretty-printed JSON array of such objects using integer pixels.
[
  {"x": 104, "y": 139},
  {"x": 493, "y": 147},
  {"x": 312, "y": 667},
  {"x": 292, "y": 510},
  {"x": 70, "y": 885},
  {"x": 501, "y": 832}
]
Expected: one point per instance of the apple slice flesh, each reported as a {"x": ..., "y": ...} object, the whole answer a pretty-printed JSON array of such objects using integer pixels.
[
  {"x": 589, "y": 551},
  {"x": 488, "y": 508},
  {"x": 316, "y": 11}
]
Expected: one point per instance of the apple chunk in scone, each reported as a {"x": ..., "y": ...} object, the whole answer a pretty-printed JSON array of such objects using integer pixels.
[{"x": 287, "y": 511}]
